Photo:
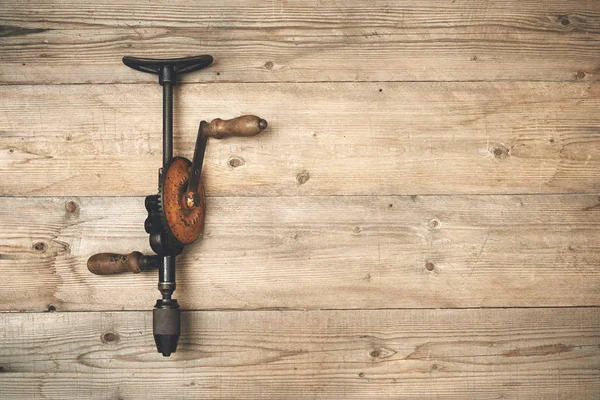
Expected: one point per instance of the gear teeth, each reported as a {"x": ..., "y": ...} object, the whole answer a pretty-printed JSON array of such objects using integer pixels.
[{"x": 171, "y": 239}]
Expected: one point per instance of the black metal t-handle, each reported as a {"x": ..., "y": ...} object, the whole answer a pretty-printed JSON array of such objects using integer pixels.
[{"x": 167, "y": 69}]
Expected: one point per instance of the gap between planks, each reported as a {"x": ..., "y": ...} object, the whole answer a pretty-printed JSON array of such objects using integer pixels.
[
  {"x": 292, "y": 309},
  {"x": 222, "y": 82}
]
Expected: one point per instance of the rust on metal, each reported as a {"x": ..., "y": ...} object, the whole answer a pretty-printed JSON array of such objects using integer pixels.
[{"x": 185, "y": 223}]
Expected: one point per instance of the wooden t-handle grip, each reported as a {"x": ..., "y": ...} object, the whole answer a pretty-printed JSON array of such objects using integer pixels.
[
  {"x": 246, "y": 125},
  {"x": 110, "y": 263}
]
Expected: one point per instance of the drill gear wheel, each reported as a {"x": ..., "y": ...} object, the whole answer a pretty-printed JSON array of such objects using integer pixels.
[{"x": 171, "y": 223}]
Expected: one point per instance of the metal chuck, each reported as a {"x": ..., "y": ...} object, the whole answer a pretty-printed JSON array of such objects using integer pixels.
[{"x": 166, "y": 322}]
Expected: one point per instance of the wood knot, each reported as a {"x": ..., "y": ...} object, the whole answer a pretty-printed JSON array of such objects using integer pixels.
[
  {"x": 357, "y": 229},
  {"x": 235, "y": 162},
  {"x": 269, "y": 65},
  {"x": 434, "y": 223},
  {"x": 429, "y": 266},
  {"x": 109, "y": 337},
  {"x": 500, "y": 151},
  {"x": 564, "y": 20},
  {"x": 361, "y": 374},
  {"x": 302, "y": 177},
  {"x": 11, "y": 150},
  {"x": 579, "y": 75},
  {"x": 40, "y": 247},
  {"x": 375, "y": 353},
  {"x": 71, "y": 207},
  {"x": 474, "y": 58}
]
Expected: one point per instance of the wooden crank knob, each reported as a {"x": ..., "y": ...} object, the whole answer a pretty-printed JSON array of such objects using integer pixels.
[{"x": 246, "y": 125}]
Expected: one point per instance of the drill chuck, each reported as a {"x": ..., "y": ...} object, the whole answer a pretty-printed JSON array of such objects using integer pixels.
[{"x": 166, "y": 321}]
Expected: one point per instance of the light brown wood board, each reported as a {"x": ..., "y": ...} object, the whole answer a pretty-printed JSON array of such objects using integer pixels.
[
  {"x": 400, "y": 354},
  {"x": 323, "y": 138},
  {"x": 314, "y": 40},
  {"x": 313, "y": 253}
]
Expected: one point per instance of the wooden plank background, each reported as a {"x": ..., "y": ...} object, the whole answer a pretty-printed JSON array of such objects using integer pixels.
[
  {"x": 314, "y": 40},
  {"x": 420, "y": 220},
  {"x": 345, "y": 138},
  {"x": 330, "y": 252},
  {"x": 475, "y": 353}
]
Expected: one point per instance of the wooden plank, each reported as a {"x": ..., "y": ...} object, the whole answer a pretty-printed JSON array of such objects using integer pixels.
[
  {"x": 323, "y": 139},
  {"x": 313, "y": 253},
  {"x": 459, "y": 354},
  {"x": 313, "y": 40}
]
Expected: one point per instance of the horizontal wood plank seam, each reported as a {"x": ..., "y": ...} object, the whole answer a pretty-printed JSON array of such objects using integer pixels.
[
  {"x": 315, "y": 196},
  {"x": 307, "y": 82},
  {"x": 303, "y": 310}
]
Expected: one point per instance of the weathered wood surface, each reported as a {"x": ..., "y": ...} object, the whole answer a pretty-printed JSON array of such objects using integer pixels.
[
  {"x": 458, "y": 354},
  {"x": 371, "y": 190},
  {"x": 313, "y": 40},
  {"x": 313, "y": 253},
  {"x": 323, "y": 139}
]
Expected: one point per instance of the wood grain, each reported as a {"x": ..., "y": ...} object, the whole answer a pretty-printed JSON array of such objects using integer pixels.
[
  {"x": 313, "y": 253},
  {"x": 314, "y": 40},
  {"x": 323, "y": 139},
  {"x": 459, "y": 354},
  {"x": 423, "y": 160}
]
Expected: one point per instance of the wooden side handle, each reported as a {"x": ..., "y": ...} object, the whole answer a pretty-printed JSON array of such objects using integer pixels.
[
  {"x": 246, "y": 125},
  {"x": 110, "y": 263}
]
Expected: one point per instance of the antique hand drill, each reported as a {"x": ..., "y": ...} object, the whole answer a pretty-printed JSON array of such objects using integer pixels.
[{"x": 176, "y": 213}]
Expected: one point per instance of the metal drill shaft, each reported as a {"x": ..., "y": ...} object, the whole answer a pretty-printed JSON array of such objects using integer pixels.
[
  {"x": 167, "y": 122},
  {"x": 166, "y": 314}
]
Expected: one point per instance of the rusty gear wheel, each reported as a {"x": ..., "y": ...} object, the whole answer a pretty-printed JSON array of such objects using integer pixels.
[{"x": 182, "y": 224}]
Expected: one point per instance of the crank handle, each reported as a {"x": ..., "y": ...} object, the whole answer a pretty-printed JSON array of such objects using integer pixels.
[
  {"x": 110, "y": 263},
  {"x": 246, "y": 125}
]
